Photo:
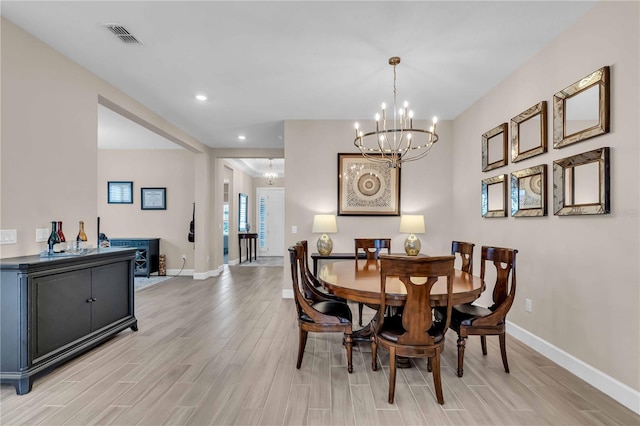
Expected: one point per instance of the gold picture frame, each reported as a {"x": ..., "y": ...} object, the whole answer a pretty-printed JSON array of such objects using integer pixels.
[
  {"x": 529, "y": 192},
  {"x": 494, "y": 196},
  {"x": 367, "y": 188},
  {"x": 585, "y": 103},
  {"x": 529, "y": 133},
  {"x": 581, "y": 184},
  {"x": 494, "y": 148}
]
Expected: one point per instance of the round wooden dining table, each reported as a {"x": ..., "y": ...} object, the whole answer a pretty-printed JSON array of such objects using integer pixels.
[{"x": 359, "y": 281}]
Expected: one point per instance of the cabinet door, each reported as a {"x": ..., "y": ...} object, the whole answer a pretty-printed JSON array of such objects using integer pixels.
[
  {"x": 62, "y": 310},
  {"x": 110, "y": 293}
]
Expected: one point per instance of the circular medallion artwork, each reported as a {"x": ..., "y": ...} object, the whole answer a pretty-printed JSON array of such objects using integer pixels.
[
  {"x": 369, "y": 184},
  {"x": 535, "y": 184}
]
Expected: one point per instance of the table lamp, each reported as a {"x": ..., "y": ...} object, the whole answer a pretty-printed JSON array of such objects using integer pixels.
[
  {"x": 324, "y": 223},
  {"x": 412, "y": 224}
]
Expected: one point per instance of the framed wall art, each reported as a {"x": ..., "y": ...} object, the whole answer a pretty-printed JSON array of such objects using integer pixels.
[
  {"x": 529, "y": 133},
  {"x": 494, "y": 148},
  {"x": 529, "y": 192},
  {"x": 581, "y": 184},
  {"x": 581, "y": 111},
  {"x": 494, "y": 196},
  {"x": 366, "y": 187},
  {"x": 120, "y": 192},
  {"x": 153, "y": 198}
]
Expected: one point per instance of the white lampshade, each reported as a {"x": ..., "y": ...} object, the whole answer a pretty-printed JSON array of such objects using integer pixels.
[
  {"x": 412, "y": 224},
  {"x": 324, "y": 224}
]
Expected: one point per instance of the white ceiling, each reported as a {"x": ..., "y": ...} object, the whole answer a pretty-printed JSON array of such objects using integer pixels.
[{"x": 264, "y": 62}]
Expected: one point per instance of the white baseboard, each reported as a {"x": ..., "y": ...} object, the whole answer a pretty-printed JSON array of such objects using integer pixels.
[
  {"x": 208, "y": 274},
  {"x": 617, "y": 390},
  {"x": 177, "y": 272},
  {"x": 287, "y": 293}
]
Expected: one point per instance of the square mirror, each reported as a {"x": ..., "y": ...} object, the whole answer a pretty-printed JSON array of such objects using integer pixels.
[
  {"x": 494, "y": 196},
  {"x": 529, "y": 192},
  {"x": 581, "y": 184},
  {"x": 581, "y": 111},
  {"x": 494, "y": 148},
  {"x": 529, "y": 133}
]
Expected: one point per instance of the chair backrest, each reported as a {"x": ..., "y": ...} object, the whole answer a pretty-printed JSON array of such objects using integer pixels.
[
  {"x": 310, "y": 277},
  {"x": 504, "y": 290},
  {"x": 417, "y": 318},
  {"x": 465, "y": 250},
  {"x": 303, "y": 304},
  {"x": 372, "y": 246}
]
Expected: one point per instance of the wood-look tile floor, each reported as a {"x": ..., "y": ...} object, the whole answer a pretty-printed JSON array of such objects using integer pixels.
[{"x": 222, "y": 351}]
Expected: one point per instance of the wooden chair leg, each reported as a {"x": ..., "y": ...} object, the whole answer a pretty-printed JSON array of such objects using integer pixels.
[
  {"x": 503, "y": 351},
  {"x": 392, "y": 373},
  {"x": 301, "y": 345},
  {"x": 483, "y": 343},
  {"x": 348, "y": 341},
  {"x": 374, "y": 354},
  {"x": 461, "y": 343},
  {"x": 429, "y": 366},
  {"x": 437, "y": 381},
  {"x": 360, "y": 305}
]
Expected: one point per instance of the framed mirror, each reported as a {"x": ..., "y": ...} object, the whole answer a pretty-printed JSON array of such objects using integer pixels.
[
  {"x": 494, "y": 148},
  {"x": 529, "y": 133},
  {"x": 243, "y": 213},
  {"x": 529, "y": 192},
  {"x": 494, "y": 196},
  {"x": 581, "y": 111},
  {"x": 581, "y": 184}
]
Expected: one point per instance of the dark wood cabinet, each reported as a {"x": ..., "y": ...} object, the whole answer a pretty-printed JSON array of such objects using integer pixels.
[
  {"x": 53, "y": 309},
  {"x": 147, "y": 253}
]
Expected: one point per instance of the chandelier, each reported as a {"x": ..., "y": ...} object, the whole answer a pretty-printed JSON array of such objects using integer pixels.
[
  {"x": 395, "y": 141},
  {"x": 271, "y": 176}
]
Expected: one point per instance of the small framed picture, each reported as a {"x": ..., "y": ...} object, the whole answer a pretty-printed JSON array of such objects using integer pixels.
[
  {"x": 120, "y": 192},
  {"x": 529, "y": 192},
  {"x": 153, "y": 198}
]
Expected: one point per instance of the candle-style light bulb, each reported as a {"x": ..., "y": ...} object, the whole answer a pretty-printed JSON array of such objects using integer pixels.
[{"x": 357, "y": 126}]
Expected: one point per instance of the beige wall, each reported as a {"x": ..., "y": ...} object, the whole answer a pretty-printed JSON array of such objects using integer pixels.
[
  {"x": 581, "y": 272},
  {"x": 49, "y": 139},
  {"x": 311, "y": 158},
  {"x": 171, "y": 169}
]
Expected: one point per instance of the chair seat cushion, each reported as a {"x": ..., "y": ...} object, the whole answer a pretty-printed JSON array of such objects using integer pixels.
[
  {"x": 392, "y": 329},
  {"x": 466, "y": 313},
  {"x": 335, "y": 309}
]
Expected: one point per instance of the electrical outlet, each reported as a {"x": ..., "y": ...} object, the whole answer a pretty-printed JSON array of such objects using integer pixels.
[
  {"x": 294, "y": 229},
  {"x": 184, "y": 257},
  {"x": 527, "y": 305}
]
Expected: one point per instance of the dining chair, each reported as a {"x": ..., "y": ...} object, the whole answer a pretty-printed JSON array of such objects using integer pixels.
[
  {"x": 321, "y": 316},
  {"x": 371, "y": 248},
  {"x": 313, "y": 290},
  {"x": 414, "y": 334},
  {"x": 465, "y": 251},
  {"x": 470, "y": 319}
]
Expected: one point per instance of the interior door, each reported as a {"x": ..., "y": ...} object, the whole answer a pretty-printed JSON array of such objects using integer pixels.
[{"x": 270, "y": 220}]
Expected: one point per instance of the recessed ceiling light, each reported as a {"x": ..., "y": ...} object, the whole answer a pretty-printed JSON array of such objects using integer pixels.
[
  {"x": 242, "y": 137},
  {"x": 201, "y": 97}
]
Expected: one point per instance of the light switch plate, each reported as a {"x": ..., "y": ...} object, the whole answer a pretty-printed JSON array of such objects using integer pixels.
[
  {"x": 8, "y": 236},
  {"x": 42, "y": 235}
]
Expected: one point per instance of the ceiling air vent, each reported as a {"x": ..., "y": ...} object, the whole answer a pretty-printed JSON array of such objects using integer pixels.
[{"x": 122, "y": 33}]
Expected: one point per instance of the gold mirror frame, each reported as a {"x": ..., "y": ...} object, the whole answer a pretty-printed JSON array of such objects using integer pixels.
[
  {"x": 496, "y": 180},
  {"x": 539, "y": 109},
  {"x": 599, "y": 78},
  {"x": 532, "y": 199},
  {"x": 486, "y": 166},
  {"x": 563, "y": 204}
]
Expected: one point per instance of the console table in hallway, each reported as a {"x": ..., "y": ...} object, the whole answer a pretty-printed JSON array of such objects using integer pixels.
[{"x": 251, "y": 245}]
